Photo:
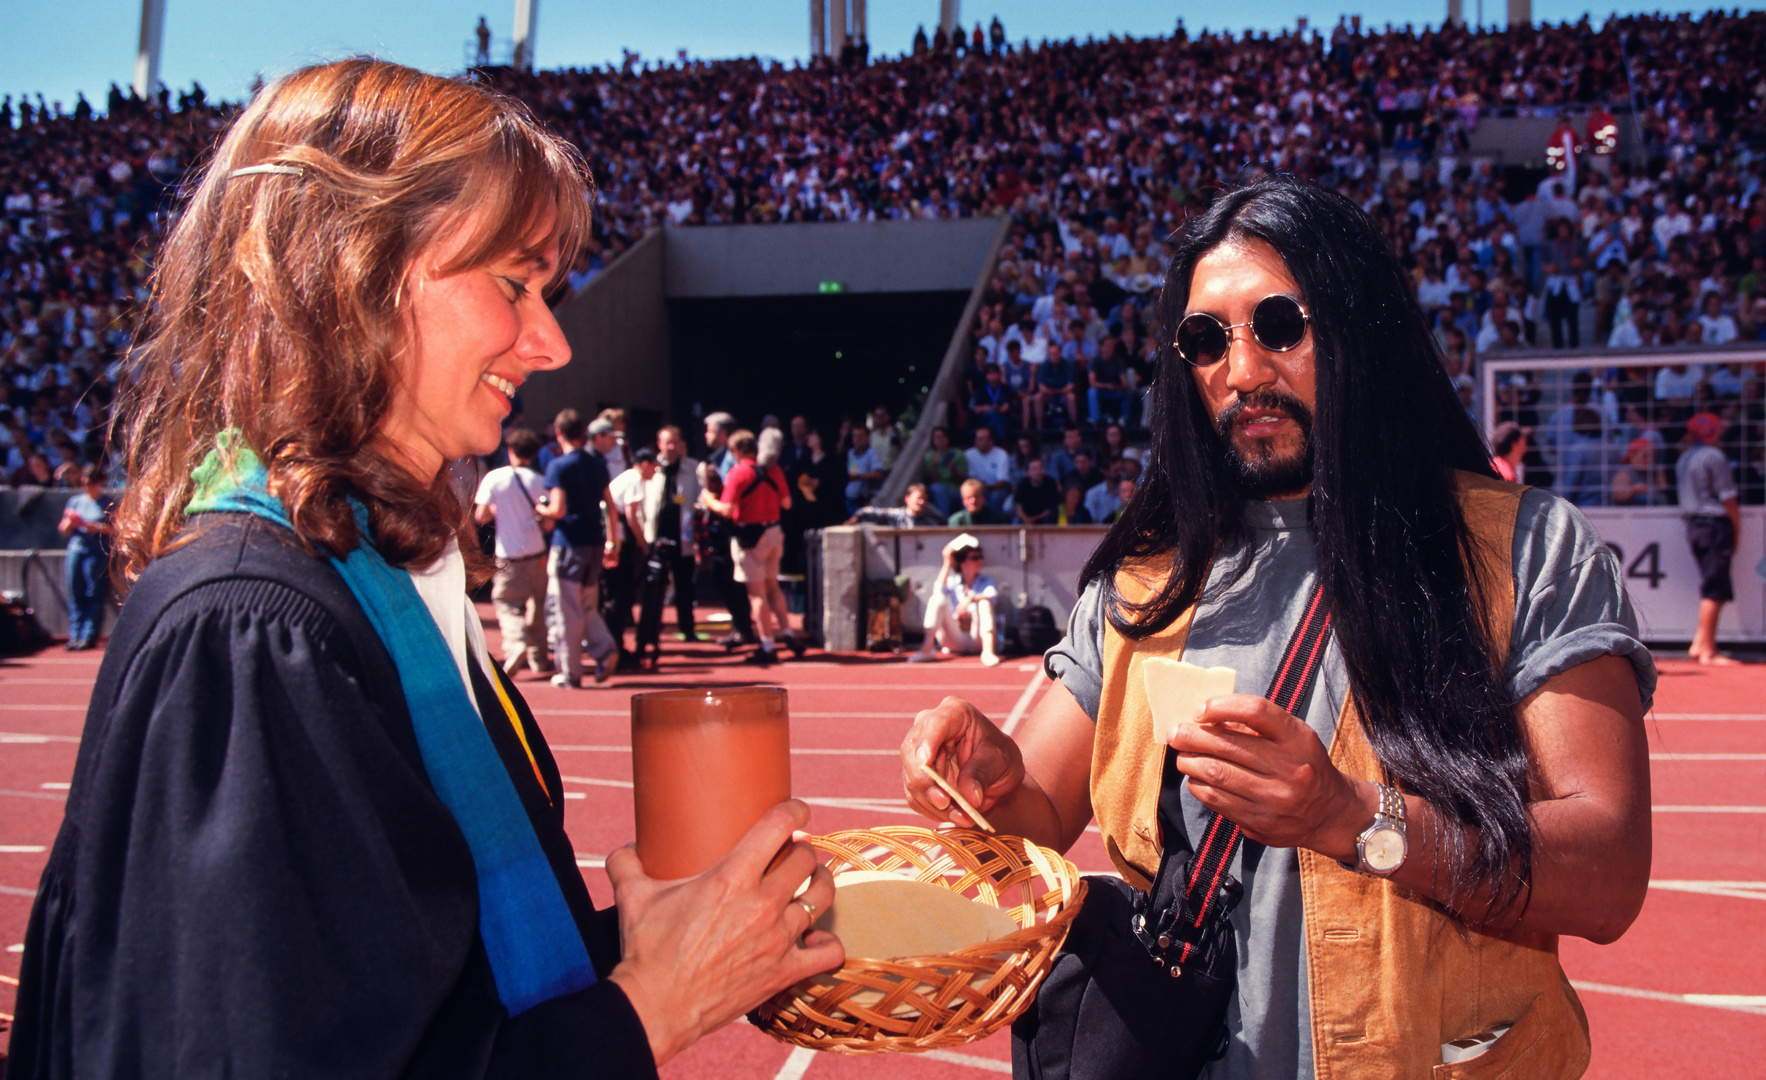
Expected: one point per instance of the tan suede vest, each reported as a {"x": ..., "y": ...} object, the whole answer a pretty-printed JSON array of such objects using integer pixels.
[{"x": 1392, "y": 975}]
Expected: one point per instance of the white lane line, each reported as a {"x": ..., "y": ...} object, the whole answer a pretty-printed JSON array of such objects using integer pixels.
[
  {"x": 34, "y": 794},
  {"x": 16, "y": 948},
  {"x": 26, "y": 665},
  {"x": 1709, "y": 809},
  {"x": 596, "y": 781},
  {"x": 796, "y": 1064},
  {"x": 29, "y": 739},
  {"x": 875, "y": 806},
  {"x": 55, "y": 785},
  {"x": 1741, "y": 890},
  {"x": 1748, "y": 1003},
  {"x": 824, "y": 751},
  {"x": 833, "y": 802},
  {"x": 1707, "y": 757},
  {"x": 1705, "y": 716},
  {"x": 906, "y": 716},
  {"x": 44, "y": 682},
  {"x": 1024, "y": 699},
  {"x": 845, "y": 688},
  {"x": 591, "y": 862},
  {"x": 13, "y": 890},
  {"x": 973, "y": 1061},
  {"x": 969, "y": 688},
  {"x": 22, "y": 849},
  {"x": 1756, "y": 1002},
  {"x": 576, "y": 794}
]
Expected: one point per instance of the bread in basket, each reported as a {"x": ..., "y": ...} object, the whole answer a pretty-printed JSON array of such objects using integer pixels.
[{"x": 917, "y": 1003}]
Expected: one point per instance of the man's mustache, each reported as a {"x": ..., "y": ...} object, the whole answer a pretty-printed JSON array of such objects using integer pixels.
[{"x": 1268, "y": 400}]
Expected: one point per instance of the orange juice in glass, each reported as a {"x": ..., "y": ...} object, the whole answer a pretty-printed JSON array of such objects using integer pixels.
[{"x": 706, "y": 764}]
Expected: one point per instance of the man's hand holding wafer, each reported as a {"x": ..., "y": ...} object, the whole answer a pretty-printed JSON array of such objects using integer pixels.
[{"x": 974, "y": 756}]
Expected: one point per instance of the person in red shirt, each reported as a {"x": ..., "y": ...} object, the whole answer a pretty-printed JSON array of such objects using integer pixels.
[{"x": 755, "y": 495}]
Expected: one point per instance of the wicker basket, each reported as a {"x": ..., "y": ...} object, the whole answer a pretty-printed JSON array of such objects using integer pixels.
[{"x": 918, "y": 1003}]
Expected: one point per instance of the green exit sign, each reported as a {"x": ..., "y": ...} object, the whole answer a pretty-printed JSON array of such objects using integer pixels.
[{"x": 831, "y": 287}]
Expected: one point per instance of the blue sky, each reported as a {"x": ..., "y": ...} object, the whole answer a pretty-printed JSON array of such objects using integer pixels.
[{"x": 64, "y": 46}]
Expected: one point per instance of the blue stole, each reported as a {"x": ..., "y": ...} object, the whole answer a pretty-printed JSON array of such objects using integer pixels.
[{"x": 535, "y": 949}]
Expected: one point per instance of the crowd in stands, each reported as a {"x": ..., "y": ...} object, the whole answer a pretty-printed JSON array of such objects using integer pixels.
[
  {"x": 1097, "y": 150},
  {"x": 84, "y": 201}
]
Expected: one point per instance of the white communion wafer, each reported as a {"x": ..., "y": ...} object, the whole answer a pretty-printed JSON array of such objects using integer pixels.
[
  {"x": 890, "y": 916},
  {"x": 1177, "y": 690},
  {"x": 962, "y": 803}
]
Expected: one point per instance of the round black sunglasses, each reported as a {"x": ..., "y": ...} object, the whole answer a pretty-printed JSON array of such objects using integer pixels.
[{"x": 1278, "y": 322}]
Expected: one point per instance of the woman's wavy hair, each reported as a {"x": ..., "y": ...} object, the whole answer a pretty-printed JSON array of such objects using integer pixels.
[
  {"x": 279, "y": 306},
  {"x": 1391, "y": 539}
]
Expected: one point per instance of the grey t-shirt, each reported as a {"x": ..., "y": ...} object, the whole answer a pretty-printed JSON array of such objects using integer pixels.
[
  {"x": 1570, "y": 607},
  {"x": 1705, "y": 481}
]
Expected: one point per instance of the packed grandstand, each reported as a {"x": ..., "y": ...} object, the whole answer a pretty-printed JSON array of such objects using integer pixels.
[{"x": 1097, "y": 150}]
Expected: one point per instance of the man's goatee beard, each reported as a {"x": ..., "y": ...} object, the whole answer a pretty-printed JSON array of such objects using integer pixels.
[{"x": 1264, "y": 475}]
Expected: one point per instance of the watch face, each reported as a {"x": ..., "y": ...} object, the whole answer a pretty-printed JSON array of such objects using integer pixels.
[{"x": 1384, "y": 850}]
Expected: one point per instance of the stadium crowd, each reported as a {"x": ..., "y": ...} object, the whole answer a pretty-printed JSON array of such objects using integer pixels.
[{"x": 1097, "y": 151}]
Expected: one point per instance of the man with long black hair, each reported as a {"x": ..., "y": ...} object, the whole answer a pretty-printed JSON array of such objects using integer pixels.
[{"x": 1469, "y": 779}]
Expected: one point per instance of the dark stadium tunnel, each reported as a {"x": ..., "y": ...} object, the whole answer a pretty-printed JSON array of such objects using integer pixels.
[{"x": 818, "y": 355}]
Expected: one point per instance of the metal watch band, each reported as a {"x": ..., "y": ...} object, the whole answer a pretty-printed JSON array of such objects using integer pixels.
[{"x": 1389, "y": 816}]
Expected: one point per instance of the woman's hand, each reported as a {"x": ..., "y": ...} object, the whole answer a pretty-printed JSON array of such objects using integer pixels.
[
  {"x": 982, "y": 762},
  {"x": 1265, "y": 771},
  {"x": 699, "y": 952}
]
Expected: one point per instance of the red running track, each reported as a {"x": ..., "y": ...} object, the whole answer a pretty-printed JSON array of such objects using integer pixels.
[{"x": 1682, "y": 994}]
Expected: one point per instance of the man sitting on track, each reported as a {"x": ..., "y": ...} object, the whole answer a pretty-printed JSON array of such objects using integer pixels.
[{"x": 1481, "y": 677}]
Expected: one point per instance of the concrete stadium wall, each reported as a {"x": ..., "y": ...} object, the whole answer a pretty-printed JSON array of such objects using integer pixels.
[
  {"x": 1520, "y": 140},
  {"x": 1037, "y": 565},
  {"x": 28, "y": 516},
  {"x": 947, "y": 383},
  {"x": 617, "y": 326},
  {"x": 792, "y": 260},
  {"x": 33, "y": 555},
  {"x": 1041, "y": 565},
  {"x": 41, "y": 577}
]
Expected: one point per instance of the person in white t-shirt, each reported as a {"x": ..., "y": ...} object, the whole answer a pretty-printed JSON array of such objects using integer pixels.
[
  {"x": 992, "y": 466},
  {"x": 960, "y": 612},
  {"x": 1719, "y": 329},
  {"x": 620, "y": 584},
  {"x": 1679, "y": 382},
  {"x": 510, "y": 497}
]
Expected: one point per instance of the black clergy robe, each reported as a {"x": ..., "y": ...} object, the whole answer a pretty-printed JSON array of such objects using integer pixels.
[{"x": 254, "y": 877}]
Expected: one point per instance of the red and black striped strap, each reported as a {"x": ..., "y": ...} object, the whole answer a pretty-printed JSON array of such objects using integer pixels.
[{"x": 1289, "y": 690}]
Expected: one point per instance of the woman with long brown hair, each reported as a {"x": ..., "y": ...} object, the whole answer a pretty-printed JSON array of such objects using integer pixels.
[{"x": 313, "y": 830}]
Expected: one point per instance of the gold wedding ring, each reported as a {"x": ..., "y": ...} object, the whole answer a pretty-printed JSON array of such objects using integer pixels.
[{"x": 808, "y": 909}]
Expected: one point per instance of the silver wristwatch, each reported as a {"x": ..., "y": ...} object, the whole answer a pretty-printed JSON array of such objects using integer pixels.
[{"x": 1381, "y": 847}]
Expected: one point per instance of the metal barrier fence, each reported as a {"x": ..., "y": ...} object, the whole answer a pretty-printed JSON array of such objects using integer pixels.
[
  {"x": 1587, "y": 414},
  {"x": 1606, "y": 431}
]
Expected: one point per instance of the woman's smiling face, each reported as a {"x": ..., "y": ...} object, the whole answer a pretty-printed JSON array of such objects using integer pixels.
[{"x": 475, "y": 336}]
